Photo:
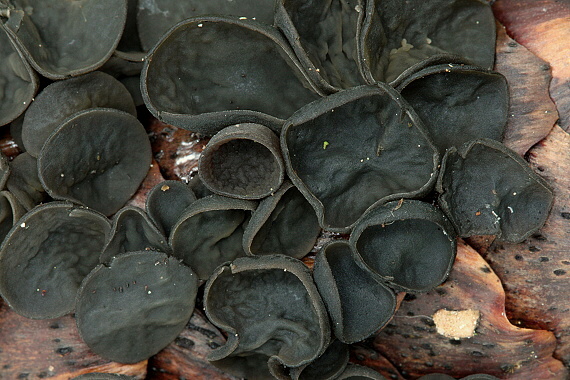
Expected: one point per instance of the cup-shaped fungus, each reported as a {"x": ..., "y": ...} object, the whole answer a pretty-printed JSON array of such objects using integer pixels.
[
  {"x": 64, "y": 38},
  {"x": 358, "y": 303},
  {"x": 131, "y": 231},
  {"x": 487, "y": 189},
  {"x": 283, "y": 222},
  {"x": 97, "y": 157},
  {"x": 166, "y": 202},
  {"x": 61, "y": 99},
  {"x": 357, "y": 372},
  {"x": 24, "y": 182},
  {"x": 272, "y": 312},
  {"x": 47, "y": 254},
  {"x": 133, "y": 308},
  {"x": 210, "y": 232},
  {"x": 211, "y": 72},
  {"x": 457, "y": 102},
  {"x": 356, "y": 148},
  {"x": 242, "y": 161}
]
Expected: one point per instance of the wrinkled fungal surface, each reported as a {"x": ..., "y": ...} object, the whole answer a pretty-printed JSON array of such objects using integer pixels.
[
  {"x": 357, "y": 372},
  {"x": 458, "y": 103},
  {"x": 18, "y": 82},
  {"x": 111, "y": 152},
  {"x": 166, "y": 202},
  {"x": 24, "y": 182},
  {"x": 409, "y": 243},
  {"x": 272, "y": 312},
  {"x": 133, "y": 308},
  {"x": 357, "y": 148},
  {"x": 103, "y": 376},
  {"x": 210, "y": 232},
  {"x": 283, "y": 223},
  {"x": 10, "y": 211},
  {"x": 131, "y": 231},
  {"x": 324, "y": 36},
  {"x": 62, "y": 99},
  {"x": 396, "y": 35},
  {"x": 242, "y": 161},
  {"x": 328, "y": 366},
  {"x": 358, "y": 303},
  {"x": 487, "y": 189},
  {"x": 47, "y": 254},
  {"x": 212, "y": 72},
  {"x": 155, "y": 17},
  {"x": 64, "y": 38}
]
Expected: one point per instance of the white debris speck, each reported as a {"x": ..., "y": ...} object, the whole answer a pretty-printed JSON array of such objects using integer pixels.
[
  {"x": 200, "y": 25},
  {"x": 149, "y": 292},
  {"x": 511, "y": 209}
]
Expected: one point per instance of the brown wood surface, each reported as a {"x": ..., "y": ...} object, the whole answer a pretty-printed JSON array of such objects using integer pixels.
[
  {"x": 413, "y": 344},
  {"x": 543, "y": 27},
  {"x": 37, "y": 349}
]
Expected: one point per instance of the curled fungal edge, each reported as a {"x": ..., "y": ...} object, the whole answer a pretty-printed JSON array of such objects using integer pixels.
[
  {"x": 272, "y": 312},
  {"x": 487, "y": 189},
  {"x": 242, "y": 161}
]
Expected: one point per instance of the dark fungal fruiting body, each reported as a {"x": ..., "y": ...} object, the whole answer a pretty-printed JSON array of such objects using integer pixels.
[
  {"x": 112, "y": 154},
  {"x": 156, "y": 17},
  {"x": 10, "y": 212},
  {"x": 449, "y": 97},
  {"x": 411, "y": 244},
  {"x": 242, "y": 161},
  {"x": 103, "y": 376},
  {"x": 47, "y": 254},
  {"x": 328, "y": 366},
  {"x": 207, "y": 73},
  {"x": 131, "y": 309},
  {"x": 24, "y": 182},
  {"x": 357, "y": 148},
  {"x": 329, "y": 58},
  {"x": 358, "y": 303},
  {"x": 272, "y": 312},
  {"x": 487, "y": 189},
  {"x": 131, "y": 231},
  {"x": 18, "y": 82},
  {"x": 65, "y": 38},
  {"x": 357, "y": 372},
  {"x": 210, "y": 232},
  {"x": 59, "y": 100},
  {"x": 396, "y": 35},
  {"x": 284, "y": 222},
  {"x": 166, "y": 202}
]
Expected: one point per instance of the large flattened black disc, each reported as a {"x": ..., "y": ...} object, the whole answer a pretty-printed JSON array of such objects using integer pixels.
[
  {"x": 97, "y": 158},
  {"x": 47, "y": 254},
  {"x": 130, "y": 310}
]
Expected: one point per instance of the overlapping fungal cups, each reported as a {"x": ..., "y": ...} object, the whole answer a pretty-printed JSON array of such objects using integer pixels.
[
  {"x": 46, "y": 255},
  {"x": 18, "y": 82},
  {"x": 166, "y": 202},
  {"x": 283, "y": 222},
  {"x": 133, "y": 308},
  {"x": 358, "y": 303},
  {"x": 357, "y": 148},
  {"x": 207, "y": 73},
  {"x": 64, "y": 38},
  {"x": 272, "y": 312},
  {"x": 210, "y": 232},
  {"x": 487, "y": 189},
  {"x": 60, "y": 100},
  {"x": 242, "y": 161},
  {"x": 410, "y": 244}
]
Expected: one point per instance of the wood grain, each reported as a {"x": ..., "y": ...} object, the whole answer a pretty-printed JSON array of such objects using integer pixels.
[{"x": 412, "y": 343}]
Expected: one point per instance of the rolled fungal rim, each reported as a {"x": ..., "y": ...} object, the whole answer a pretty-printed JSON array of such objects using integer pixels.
[{"x": 253, "y": 132}]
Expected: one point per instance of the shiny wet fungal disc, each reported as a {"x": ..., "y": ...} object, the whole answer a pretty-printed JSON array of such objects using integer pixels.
[{"x": 130, "y": 310}]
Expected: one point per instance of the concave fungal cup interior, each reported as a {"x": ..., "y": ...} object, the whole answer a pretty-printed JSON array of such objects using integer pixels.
[{"x": 378, "y": 122}]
